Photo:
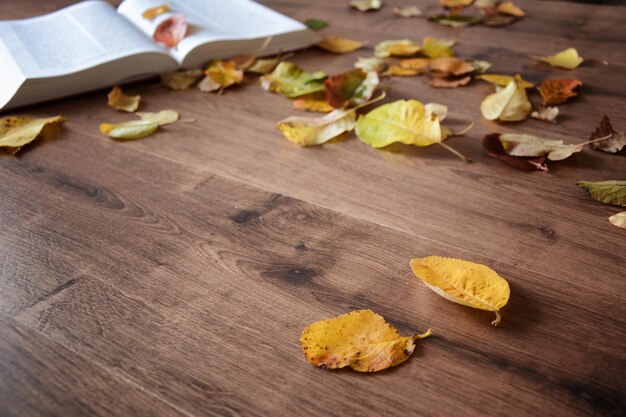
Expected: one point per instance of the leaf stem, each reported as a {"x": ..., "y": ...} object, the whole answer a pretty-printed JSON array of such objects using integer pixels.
[
  {"x": 594, "y": 140},
  {"x": 497, "y": 320},
  {"x": 423, "y": 335},
  {"x": 457, "y": 153}
]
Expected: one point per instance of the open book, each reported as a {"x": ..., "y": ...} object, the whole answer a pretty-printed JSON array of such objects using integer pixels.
[{"x": 91, "y": 45}]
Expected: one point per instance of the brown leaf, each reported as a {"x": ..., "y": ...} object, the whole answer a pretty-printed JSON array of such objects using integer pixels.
[
  {"x": 493, "y": 146},
  {"x": 557, "y": 91},
  {"x": 350, "y": 88},
  {"x": 171, "y": 31},
  {"x": 182, "y": 79},
  {"x": 613, "y": 143},
  {"x": 446, "y": 66},
  {"x": 450, "y": 82}
]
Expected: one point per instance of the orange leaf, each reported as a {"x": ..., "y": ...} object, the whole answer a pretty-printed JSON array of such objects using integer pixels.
[
  {"x": 339, "y": 45},
  {"x": 451, "y": 82},
  {"x": 314, "y": 103},
  {"x": 450, "y": 66},
  {"x": 557, "y": 91},
  {"x": 153, "y": 12},
  {"x": 171, "y": 31}
]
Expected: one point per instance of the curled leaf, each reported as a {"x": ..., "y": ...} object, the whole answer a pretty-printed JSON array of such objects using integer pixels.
[
  {"x": 400, "y": 47},
  {"x": 446, "y": 66},
  {"x": 613, "y": 141},
  {"x": 501, "y": 80},
  {"x": 164, "y": 117},
  {"x": 531, "y": 146},
  {"x": 310, "y": 131},
  {"x": 463, "y": 282},
  {"x": 350, "y": 88},
  {"x": 370, "y": 64},
  {"x": 135, "y": 129},
  {"x": 315, "y": 24},
  {"x": 182, "y": 79},
  {"x": 123, "y": 102},
  {"x": 153, "y": 12},
  {"x": 339, "y": 45},
  {"x": 509, "y": 104},
  {"x": 398, "y": 71},
  {"x": 607, "y": 192},
  {"x": 557, "y": 91},
  {"x": 450, "y": 82},
  {"x": 314, "y": 103},
  {"x": 291, "y": 81},
  {"x": 547, "y": 114},
  {"x": 224, "y": 72},
  {"x": 171, "y": 31},
  {"x": 16, "y": 132},
  {"x": 619, "y": 219},
  {"x": 366, "y": 5},
  {"x": 493, "y": 146},
  {"x": 264, "y": 65},
  {"x": 437, "y": 48},
  {"x": 456, "y": 21},
  {"x": 498, "y": 20},
  {"x": 407, "y": 11},
  {"x": 420, "y": 65},
  {"x": 568, "y": 59},
  {"x": 361, "y": 339},
  {"x": 208, "y": 85},
  {"x": 509, "y": 8}
]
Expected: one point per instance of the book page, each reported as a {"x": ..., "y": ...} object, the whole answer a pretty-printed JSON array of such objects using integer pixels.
[
  {"x": 212, "y": 21},
  {"x": 73, "y": 39}
]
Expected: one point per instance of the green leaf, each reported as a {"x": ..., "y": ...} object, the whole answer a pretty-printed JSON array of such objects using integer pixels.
[
  {"x": 135, "y": 129},
  {"x": 291, "y": 81},
  {"x": 607, "y": 192},
  {"x": 315, "y": 24}
]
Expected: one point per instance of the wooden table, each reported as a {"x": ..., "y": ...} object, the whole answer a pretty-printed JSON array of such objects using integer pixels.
[{"x": 172, "y": 276}]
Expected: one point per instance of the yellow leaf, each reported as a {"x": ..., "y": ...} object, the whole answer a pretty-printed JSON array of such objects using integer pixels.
[
  {"x": 419, "y": 64},
  {"x": 402, "y": 47},
  {"x": 366, "y": 5},
  {"x": 153, "y": 12},
  {"x": 264, "y": 65},
  {"x": 120, "y": 101},
  {"x": 568, "y": 59},
  {"x": 224, "y": 73},
  {"x": 16, "y": 132},
  {"x": 181, "y": 80},
  {"x": 619, "y": 219},
  {"x": 291, "y": 81},
  {"x": 455, "y": 3},
  {"x": 449, "y": 82},
  {"x": 445, "y": 66},
  {"x": 510, "y": 104},
  {"x": 501, "y": 80},
  {"x": 407, "y": 11},
  {"x": 464, "y": 282},
  {"x": 399, "y": 71},
  {"x": 309, "y": 131},
  {"x": 437, "y": 48},
  {"x": 370, "y": 64},
  {"x": 134, "y": 129},
  {"x": 361, "y": 339},
  {"x": 314, "y": 103},
  {"x": 164, "y": 117},
  {"x": 511, "y": 9},
  {"x": 339, "y": 45}
]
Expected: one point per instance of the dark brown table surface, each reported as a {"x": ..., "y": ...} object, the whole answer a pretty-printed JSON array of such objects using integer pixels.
[{"x": 172, "y": 276}]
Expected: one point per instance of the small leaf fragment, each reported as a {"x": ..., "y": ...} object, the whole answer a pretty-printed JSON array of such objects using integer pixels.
[
  {"x": 455, "y": 21},
  {"x": 164, "y": 117},
  {"x": 509, "y": 8},
  {"x": 291, "y": 81},
  {"x": 557, "y": 91},
  {"x": 366, "y": 5},
  {"x": 118, "y": 100},
  {"x": 350, "y": 88},
  {"x": 619, "y": 219},
  {"x": 264, "y": 65},
  {"x": 171, "y": 31},
  {"x": 613, "y": 142},
  {"x": 493, "y": 146},
  {"x": 509, "y": 104},
  {"x": 315, "y": 24},
  {"x": 399, "y": 47},
  {"x": 547, "y": 114},
  {"x": 182, "y": 79},
  {"x": 16, "y": 132},
  {"x": 449, "y": 82},
  {"x": 224, "y": 72},
  {"x": 153, "y": 12},
  {"x": 407, "y": 11},
  {"x": 420, "y": 65},
  {"x": 437, "y": 48},
  {"x": 370, "y": 64},
  {"x": 313, "y": 102},
  {"x": 568, "y": 59},
  {"x": 339, "y": 45},
  {"x": 464, "y": 282},
  {"x": 361, "y": 340},
  {"x": 135, "y": 129},
  {"x": 607, "y": 192},
  {"x": 446, "y": 66},
  {"x": 532, "y": 146},
  {"x": 501, "y": 80}
]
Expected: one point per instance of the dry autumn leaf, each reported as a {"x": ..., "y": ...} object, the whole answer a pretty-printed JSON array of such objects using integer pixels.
[
  {"x": 398, "y": 47},
  {"x": 407, "y": 11},
  {"x": 455, "y": 3},
  {"x": 547, "y": 114},
  {"x": 420, "y": 65},
  {"x": 361, "y": 339},
  {"x": 568, "y": 59},
  {"x": 447, "y": 66},
  {"x": 493, "y": 146},
  {"x": 182, "y": 79},
  {"x": 456, "y": 21},
  {"x": 310, "y": 131},
  {"x": 619, "y": 219},
  {"x": 350, "y": 88},
  {"x": 437, "y": 48},
  {"x": 123, "y": 102},
  {"x": 501, "y": 80},
  {"x": 557, "y": 91},
  {"x": 404, "y": 121},
  {"x": 265, "y": 65},
  {"x": 339, "y": 45},
  {"x": 16, "y": 132},
  {"x": 314, "y": 103},
  {"x": 370, "y": 64},
  {"x": 153, "y": 12},
  {"x": 366, "y": 5},
  {"x": 224, "y": 72},
  {"x": 164, "y": 117},
  {"x": 510, "y": 104},
  {"x": 135, "y": 129},
  {"x": 509, "y": 8},
  {"x": 450, "y": 82},
  {"x": 291, "y": 81},
  {"x": 613, "y": 141},
  {"x": 463, "y": 282},
  {"x": 532, "y": 146},
  {"x": 399, "y": 71},
  {"x": 171, "y": 31},
  {"x": 607, "y": 192}
]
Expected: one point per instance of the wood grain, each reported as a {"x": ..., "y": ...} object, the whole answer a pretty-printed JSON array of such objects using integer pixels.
[{"x": 181, "y": 269}]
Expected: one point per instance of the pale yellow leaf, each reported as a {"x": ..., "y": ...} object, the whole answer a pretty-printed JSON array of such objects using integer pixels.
[
  {"x": 164, "y": 117},
  {"x": 501, "y": 80},
  {"x": 568, "y": 59},
  {"x": 510, "y": 104},
  {"x": 153, "y": 12},
  {"x": 339, "y": 45},
  {"x": 134, "y": 129},
  {"x": 16, "y": 132},
  {"x": 619, "y": 219},
  {"x": 123, "y": 102}
]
